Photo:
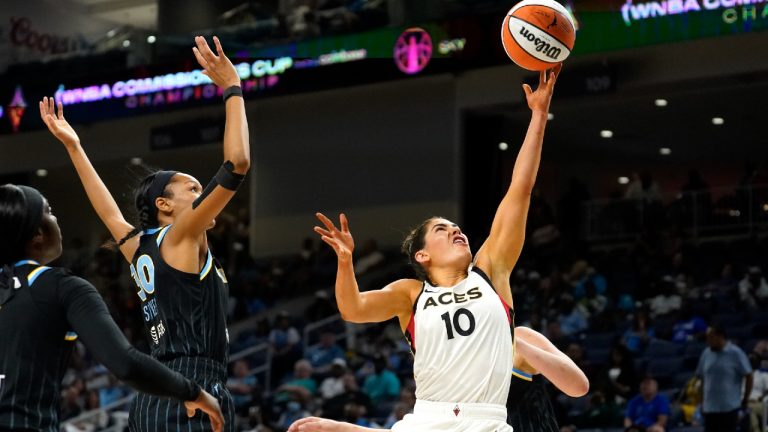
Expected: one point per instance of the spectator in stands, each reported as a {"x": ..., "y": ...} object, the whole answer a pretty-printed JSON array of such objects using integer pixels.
[
  {"x": 572, "y": 321},
  {"x": 302, "y": 387},
  {"x": 602, "y": 412},
  {"x": 333, "y": 385},
  {"x": 757, "y": 398},
  {"x": 284, "y": 342},
  {"x": 724, "y": 370},
  {"x": 688, "y": 327},
  {"x": 593, "y": 304},
  {"x": 622, "y": 378},
  {"x": 242, "y": 384},
  {"x": 636, "y": 338},
  {"x": 753, "y": 289},
  {"x": 582, "y": 274},
  {"x": 648, "y": 411},
  {"x": 322, "y": 355},
  {"x": 334, "y": 408},
  {"x": 383, "y": 385},
  {"x": 369, "y": 257},
  {"x": 668, "y": 300},
  {"x": 724, "y": 287}
]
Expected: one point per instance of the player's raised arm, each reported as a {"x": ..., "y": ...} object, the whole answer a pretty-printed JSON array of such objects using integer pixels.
[
  {"x": 98, "y": 194},
  {"x": 501, "y": 250},
  {"x": 354, "y": 306},
  {"x": 193, "y": 221}
]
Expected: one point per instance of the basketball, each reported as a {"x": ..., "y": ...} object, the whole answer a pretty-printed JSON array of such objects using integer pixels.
[{"x": 538, "y": 34}]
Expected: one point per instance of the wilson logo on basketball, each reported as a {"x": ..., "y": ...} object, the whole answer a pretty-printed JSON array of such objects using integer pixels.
[{"x": 542, "y": 46}]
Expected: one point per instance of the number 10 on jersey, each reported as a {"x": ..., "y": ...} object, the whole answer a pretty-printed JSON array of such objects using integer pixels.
[{"x": 451, "y": 324}]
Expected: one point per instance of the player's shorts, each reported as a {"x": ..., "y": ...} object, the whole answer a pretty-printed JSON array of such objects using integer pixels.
[
  {"x": 454, "y": 417},
  {"x": 153, "y": 414}
]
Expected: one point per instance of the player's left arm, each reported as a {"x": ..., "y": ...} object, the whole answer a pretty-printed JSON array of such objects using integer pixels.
[
  {"x": 557, "y": 367},
  {"x": 500, "y": 252}
]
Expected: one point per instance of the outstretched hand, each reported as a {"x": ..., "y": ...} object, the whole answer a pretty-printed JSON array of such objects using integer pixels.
[
  {"x": 216, "y": 67},
  {"x": 539, "y": 100},
  {"x": 340, "y": 240},
  {"x": 57, "y": 124}
]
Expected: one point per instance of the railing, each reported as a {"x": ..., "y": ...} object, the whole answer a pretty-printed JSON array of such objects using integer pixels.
[
  {"x": 715, "y": 212},
  {"x": 332, "y": 324},
  {"x": 90, "y": 420},
  {"x": 261, "y": 354}
]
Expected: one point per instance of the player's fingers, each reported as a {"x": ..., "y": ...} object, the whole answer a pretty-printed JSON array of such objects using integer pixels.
[
  {"x": 219, "y": 49},
  {"x": 327, "y": 222},
  {"x": 61, "y": 111},
  {"x": 190, "y": 412},
  {"x": 527, "y": 89},
  {"x": 205, "y": 50},
  {"x": 51, "y": 107},
  {"x": 330, "y": 243},
  {"x": 344, "y": 223},
  {"x": 199, "y": 57},
  {"x": 322, "y": 232},
  {"x": 542, "y": 78}
]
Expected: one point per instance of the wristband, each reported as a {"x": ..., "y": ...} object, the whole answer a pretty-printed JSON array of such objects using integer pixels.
[{"x": 234, "y": 90}]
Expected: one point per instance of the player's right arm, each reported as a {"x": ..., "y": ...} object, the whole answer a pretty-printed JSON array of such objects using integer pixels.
[
  {"x": 88, "y": 316},
  {"x": 370, "y": 306},
  {"x": 557, "y": 367},
  {"x": 98, "y": 194}
]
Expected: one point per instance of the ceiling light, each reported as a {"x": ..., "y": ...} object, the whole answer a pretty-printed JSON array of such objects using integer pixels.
[
  {"x": 605, "y": 133},
  {"x": 665, "y": 151},
  {"x": 136, "y": 161},
  {"x": 111, "y": 33},
  {"x": 41, "y": 172},
  {"x": 550, "y": 116},
  {"x": 717, "y": 121},
  {"x": 660, "y": 102},
  {"x": 503, "y": 146},
  {"x": 623, "y": 180},
  {"x": 151, "y": 39},
  {"x": 126, "y": 43}
]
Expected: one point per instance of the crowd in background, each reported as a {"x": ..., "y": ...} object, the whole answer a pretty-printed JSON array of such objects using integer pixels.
[{"x": 635, "y": 317}]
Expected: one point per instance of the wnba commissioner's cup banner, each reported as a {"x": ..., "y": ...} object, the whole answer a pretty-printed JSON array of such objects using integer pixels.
[{"x": 42, "y": 30}]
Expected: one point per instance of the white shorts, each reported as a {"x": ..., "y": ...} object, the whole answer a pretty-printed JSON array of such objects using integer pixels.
[{"x": 454, "y": 417}]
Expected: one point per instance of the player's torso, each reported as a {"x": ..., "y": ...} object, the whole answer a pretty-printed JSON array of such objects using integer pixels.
[
  {"x": 462, "y": 342},
  {"x": 184, "y": 313}
]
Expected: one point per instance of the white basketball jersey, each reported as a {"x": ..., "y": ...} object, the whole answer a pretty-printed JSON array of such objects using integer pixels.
[{"x": 461, "y": 338}]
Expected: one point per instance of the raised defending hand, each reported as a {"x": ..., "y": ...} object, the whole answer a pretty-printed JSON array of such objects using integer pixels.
[
  {"x": 57, "y": 124},
  {"x": 217, "y": 67},
  {"x": 341, "y": 241},
  {"x": 539, "y": 100},
  {"x": 207, "y": 404}
]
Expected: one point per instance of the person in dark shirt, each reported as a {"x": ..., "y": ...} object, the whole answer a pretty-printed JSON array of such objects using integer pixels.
[
  {"x": 183, "y": 290},
  {"x": 43, "y": 310}
]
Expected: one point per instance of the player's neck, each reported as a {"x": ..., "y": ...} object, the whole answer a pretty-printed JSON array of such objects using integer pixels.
[{"x": 447, "y": 277}]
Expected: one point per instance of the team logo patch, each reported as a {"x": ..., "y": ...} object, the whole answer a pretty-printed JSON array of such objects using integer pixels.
[{"x": 456, "y": 410}]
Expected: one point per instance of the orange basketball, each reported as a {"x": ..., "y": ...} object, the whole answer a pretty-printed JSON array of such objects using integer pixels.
[{"x": 538, "y": 34}]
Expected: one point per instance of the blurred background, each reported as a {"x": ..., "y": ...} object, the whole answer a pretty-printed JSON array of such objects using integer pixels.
[{"x": 648, "y": 222}]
